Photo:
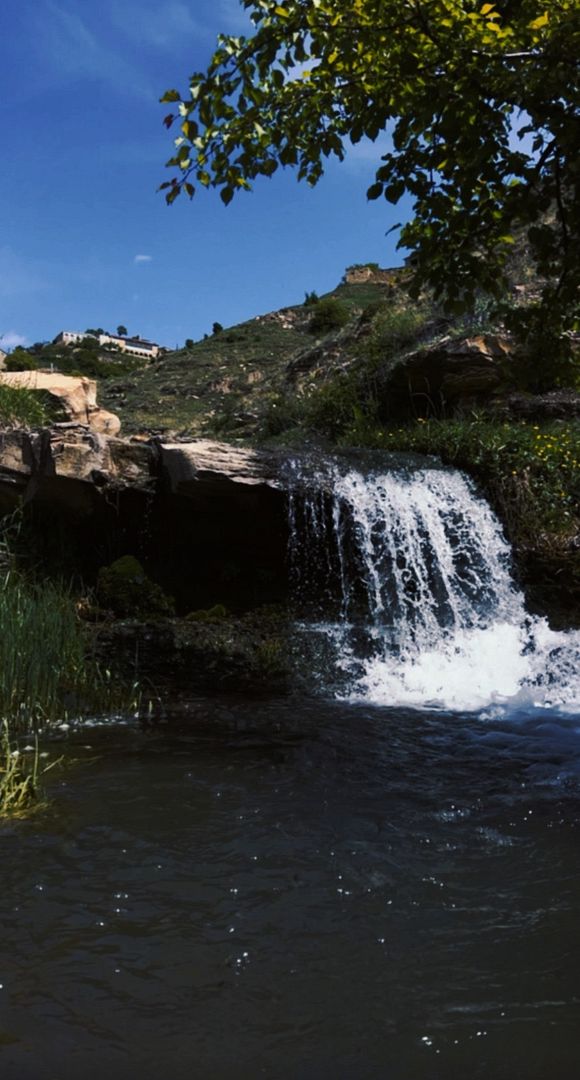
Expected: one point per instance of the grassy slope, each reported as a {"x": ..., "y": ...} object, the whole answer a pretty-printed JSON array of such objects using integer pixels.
[{"x": 224, "y": 384}]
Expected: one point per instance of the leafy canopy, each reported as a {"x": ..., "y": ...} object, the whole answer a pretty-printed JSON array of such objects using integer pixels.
[{"x": 480, "y": 101}]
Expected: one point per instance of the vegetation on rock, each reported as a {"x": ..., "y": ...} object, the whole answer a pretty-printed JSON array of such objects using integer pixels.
[
  {"x": 124, "y": 588},
  {"x": 20, "y": 407}
]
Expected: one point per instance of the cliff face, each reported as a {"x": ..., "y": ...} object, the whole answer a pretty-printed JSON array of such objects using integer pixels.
[{"x": 208, "y": 519}]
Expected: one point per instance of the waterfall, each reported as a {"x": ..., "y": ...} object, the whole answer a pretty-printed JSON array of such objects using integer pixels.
[{"x": 402, "y": 580}]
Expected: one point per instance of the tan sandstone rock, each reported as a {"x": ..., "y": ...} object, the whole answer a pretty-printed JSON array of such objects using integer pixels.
[{"x": 76, "y": 394}]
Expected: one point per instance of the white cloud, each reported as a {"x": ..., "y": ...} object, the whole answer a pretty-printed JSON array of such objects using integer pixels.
[
  {"x": 143, "y": 259},
  {"x": 77, "y": 51},
  {"x": 161, "y": 28},
  {"x": 11, "y": 340}
]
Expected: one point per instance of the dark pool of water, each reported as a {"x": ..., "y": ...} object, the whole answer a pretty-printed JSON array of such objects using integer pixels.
[{"x": 311, "y": 891}]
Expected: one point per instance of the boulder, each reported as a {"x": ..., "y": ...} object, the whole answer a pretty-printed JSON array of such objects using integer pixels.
[
  {"x": 76, "y": 395},
  {"x": 447, "y": 377},
  {"x": 71, "y": 452},
  {"x": 186, "y": 465}
]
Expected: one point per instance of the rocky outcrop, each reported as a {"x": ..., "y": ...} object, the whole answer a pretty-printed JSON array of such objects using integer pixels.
[
  {"x": 76, "y": 396},
  {"x": 556, "y": 405},
  {"x": 186, "y": 465},
  {"x": 251, "y": 652},
  {"x": 447, "y": 377},
  {"x": 367, "y": 273},
  {"x": 72, "y": 453}
]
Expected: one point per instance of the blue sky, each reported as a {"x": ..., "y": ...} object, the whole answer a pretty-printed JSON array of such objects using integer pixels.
[{"x": 86, "y": 239}]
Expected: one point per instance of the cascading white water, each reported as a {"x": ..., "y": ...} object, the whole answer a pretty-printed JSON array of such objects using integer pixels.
[{"x": 416, "y": 603}]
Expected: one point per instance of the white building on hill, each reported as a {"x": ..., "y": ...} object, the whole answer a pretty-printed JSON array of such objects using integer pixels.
[{"x": 133, "y": 346}]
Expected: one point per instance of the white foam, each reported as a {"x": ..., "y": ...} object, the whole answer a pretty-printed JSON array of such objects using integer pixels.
[{"x": 424, "y": 569}]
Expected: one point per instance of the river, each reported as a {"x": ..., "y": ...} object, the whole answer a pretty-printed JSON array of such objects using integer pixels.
[
  {"x": 379, "y": 880},
  {"x": 321, "y": 890}
]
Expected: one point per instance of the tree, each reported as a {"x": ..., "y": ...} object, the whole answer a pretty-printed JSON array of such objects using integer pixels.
[
  {"x": 122, "y": 331},
  {"x": 480, "y": 101}
]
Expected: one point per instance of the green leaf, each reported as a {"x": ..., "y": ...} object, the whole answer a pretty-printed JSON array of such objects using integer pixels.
[{"x": 375, "y": 191}]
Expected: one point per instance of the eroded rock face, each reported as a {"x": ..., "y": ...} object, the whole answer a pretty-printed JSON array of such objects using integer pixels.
[
  {"x": 77, "y": 396},
  {"x": 555, "y": 405},
  {"x": 186, "y": 465},
  {"x": 70, "y": 452},
  {"x": 447, "y": 377},
  {"x": 207, "y": 520}
]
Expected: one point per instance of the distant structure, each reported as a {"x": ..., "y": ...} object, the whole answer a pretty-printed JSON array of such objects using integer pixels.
[
  {"x": 368, "y": 273},
  {"x": 133, "y": 346},
  {"x": 3, "y": 356}
]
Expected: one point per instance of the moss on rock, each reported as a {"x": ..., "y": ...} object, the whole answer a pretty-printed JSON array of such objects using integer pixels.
[{"x": 124, "y": 588}]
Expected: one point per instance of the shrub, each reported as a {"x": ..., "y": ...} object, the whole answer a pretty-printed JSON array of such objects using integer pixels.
[
  {"x": 283, "y": 412},
  {"x": 531, "y": 472},
  {"x": 341, "y": 403},
  {"x": 20, "y": 360},
  {"x": 329, "y": 314}
]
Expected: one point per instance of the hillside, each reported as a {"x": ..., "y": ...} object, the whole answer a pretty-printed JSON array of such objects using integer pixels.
[{"x": 232, "y": 382}]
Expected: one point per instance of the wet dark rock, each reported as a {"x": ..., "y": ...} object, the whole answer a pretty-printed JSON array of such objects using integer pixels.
[
  {"x": 556, "y": 405},
  {"x": 234, "y": 653}
]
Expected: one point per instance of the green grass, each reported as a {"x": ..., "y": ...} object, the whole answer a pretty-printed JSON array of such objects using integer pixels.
[
  {"x": 225, "y": 384},
  {"x": 20, "y": 407}
]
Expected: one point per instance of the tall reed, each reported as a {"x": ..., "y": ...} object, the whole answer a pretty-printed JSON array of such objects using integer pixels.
[
  {"x": 46, "y": 670},
  {"x": 21, "y": 773}
]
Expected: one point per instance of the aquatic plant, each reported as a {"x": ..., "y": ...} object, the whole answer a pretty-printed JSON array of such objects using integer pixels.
[
  {"x": 20, "y": 775},
  {"x": 46, "y": 670}
]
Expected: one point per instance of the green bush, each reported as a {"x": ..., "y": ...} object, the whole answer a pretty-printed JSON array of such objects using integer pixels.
[
  {"x": 20, "y": 360},
  {"x": 329, "y": 314},
  {"x": 340, "y": 404},
  {"x": 282, "y": 413}
]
